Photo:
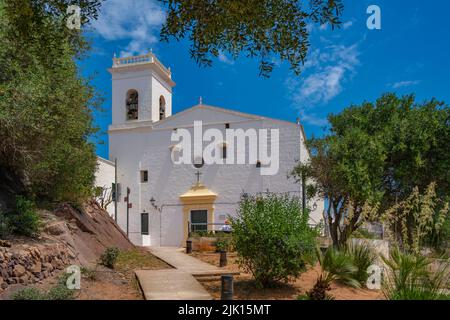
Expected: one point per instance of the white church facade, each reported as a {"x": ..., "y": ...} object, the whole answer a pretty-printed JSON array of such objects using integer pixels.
[{"x": 166, "y": 199}]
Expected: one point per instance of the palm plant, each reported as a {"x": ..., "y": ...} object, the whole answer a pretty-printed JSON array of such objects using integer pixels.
[
  {"x": 409, "y": 278},
  {"x": 362, "y": 257},
  {"x": 335, "y": 266}
]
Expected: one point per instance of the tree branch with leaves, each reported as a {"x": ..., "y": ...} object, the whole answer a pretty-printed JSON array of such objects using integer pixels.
[{"x": 255, "y": 28}]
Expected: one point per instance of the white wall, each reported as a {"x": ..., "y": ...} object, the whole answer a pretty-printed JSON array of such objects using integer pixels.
[
  {"x": 147, "y": 148},
  {"x": 160, "y": 88},
  {"x": 121, "y": 84},
  {"x": 104, "y": 178},
  {"x": 149, "y": 87}
]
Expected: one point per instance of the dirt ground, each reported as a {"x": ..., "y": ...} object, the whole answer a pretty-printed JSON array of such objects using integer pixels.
[
  {"x": 245, "y": 289},
  {"x": 120, "y": 283},
  {"x": 101, "y": 283},
  {"x": 109, "y": 285}
]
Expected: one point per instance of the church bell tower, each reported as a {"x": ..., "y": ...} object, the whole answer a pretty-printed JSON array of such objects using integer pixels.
[{"x": 141, "y": 90}]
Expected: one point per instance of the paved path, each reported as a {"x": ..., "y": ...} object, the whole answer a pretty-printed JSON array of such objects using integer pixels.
[
  {"x": 178, "y": 283},
  {"x": 170, "y": 284},
  {"x": 183, "y": 262}
]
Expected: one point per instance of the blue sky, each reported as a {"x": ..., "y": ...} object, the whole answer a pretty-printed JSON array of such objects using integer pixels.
[{"x": 410, "y": 54}]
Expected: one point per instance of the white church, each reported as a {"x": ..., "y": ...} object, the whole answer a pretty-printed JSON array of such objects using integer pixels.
[{"x": 159, "y": 200}]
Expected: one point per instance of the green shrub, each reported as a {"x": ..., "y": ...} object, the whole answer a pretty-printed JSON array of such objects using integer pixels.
[
  {"x": 5, "y": 227},
  {"x": 362, "y": 258},
  {"x": 223, "y": 244},
  {"x": 335, "y": 266},
  {"x": 25, "y": 220},
  {"x": 60, "y": 292},
  {"x": 224, "y": 241},
  {"x": 409, "y": 278},
  {"x": 272, "y": 238},
  {"x": 109, "y": 257},
  {"x": 199, "y": 234},
  {"x": 28, "y": 294},
  {"x": 439, "y": 239},
  {"x": 89, "y": 274}
]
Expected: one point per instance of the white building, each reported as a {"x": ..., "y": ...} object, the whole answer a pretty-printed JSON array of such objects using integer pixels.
[
  {"x": 104, "y": 179},
  {"x": 166, "y": 198}
]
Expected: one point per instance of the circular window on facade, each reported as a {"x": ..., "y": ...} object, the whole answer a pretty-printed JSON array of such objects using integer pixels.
[{"x": 199, "y": 163}]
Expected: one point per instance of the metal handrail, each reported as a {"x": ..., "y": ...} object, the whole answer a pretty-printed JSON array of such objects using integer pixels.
[{"x": 192, "y": 230}]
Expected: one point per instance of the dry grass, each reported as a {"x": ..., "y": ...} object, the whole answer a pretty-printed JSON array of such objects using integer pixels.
[
  {"x": 139, "y": 259},
  {"x": 120, "y": 283}
]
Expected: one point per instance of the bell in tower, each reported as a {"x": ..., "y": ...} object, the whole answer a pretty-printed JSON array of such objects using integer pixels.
[{"x": 142, "y": 90}]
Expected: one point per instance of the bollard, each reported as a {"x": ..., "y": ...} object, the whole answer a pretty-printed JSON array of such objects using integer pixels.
[
  {"x": 227, "y": 287},
  {"x": 223, "y": 258},
  {"x": 189, "y": 246}
]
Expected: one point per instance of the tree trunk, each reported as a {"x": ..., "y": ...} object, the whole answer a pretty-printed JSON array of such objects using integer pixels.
[{"x": 334, "y": 233}]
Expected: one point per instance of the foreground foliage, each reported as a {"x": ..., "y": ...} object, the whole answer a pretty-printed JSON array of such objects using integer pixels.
[
  {"x": 362, "y": 257},
  {"x": 335, "y": 266},
  {"x": 255, "y": 28},
  {"x": 45, "y": 105},
  {"x": 411, "y": 221},
  {"x": 109, "y": 257},
  {"x": 272, "y": 238},
  {"x": 58, "y": 292},
  {"x": 409, "y": 278},
  {"x": 23, "y": 220}
]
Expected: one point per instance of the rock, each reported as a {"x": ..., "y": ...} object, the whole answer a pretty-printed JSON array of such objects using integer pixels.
[
  {"x": 23, "y": 279},
  {"x": 19, "y": 270},
  {"x": 36, "y": 268},
  {"x": 46, "y": 266},
  {"x": 56, "y": 229},
  {"x": 5, "y": 244}
]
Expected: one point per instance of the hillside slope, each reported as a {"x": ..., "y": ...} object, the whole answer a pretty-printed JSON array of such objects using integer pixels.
[
  {"x": 69, "y": 236},
  {"x": 88, "y": 232}
]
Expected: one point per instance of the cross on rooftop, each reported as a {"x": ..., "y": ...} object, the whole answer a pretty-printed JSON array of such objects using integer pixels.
[{"x": 198, "y": 174}]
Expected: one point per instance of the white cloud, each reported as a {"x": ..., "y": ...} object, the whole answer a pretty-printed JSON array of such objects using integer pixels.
[
  {"x": 403, "y": 84},
  {"x": 223, "y": 58},
  {"x": 324, "y": 74},
  {"x": 313, "y": 119},
  {"x": 347, "y": 25},
  {"x": 136, "y": 21},
  {"x": 323, "y": 27},
  {"x": 323, "y": 78}
]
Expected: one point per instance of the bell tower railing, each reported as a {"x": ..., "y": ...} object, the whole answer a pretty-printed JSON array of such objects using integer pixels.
[{"x": 148, "y": 58}]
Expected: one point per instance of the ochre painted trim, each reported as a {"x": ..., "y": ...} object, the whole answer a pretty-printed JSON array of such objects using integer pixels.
[{"x": 197, "y": 198}]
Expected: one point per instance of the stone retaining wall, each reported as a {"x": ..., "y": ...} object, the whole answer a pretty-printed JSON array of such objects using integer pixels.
[{"x": 26, "y": 264}]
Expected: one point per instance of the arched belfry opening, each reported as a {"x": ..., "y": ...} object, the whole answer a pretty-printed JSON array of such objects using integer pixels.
[
  {"x": 142, "y": 90},
  {"x": 162, "y": 108},
  {"x": 132, "y": 105}
]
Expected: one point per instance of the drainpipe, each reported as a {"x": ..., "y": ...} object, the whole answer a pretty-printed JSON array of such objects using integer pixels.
[
  {"x": 115, "y": 189},
  {"x": 128, "y": 211}
]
